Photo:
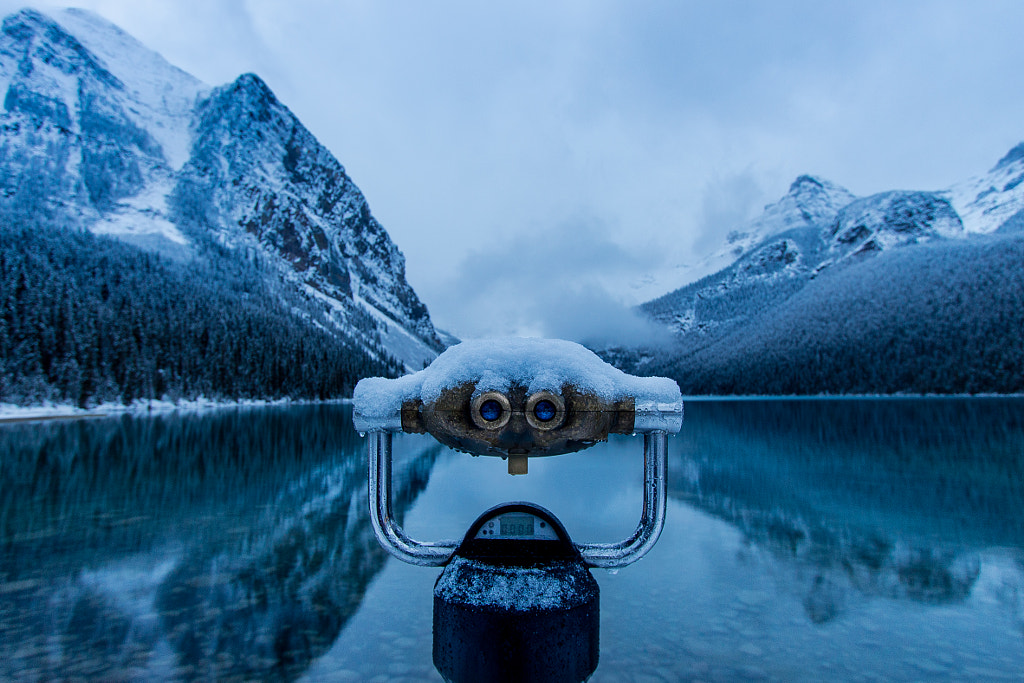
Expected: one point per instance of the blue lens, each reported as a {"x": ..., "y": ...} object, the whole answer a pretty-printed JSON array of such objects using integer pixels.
[
  {"x": 545, "y": 410},
  {"x": 490, "y": 410}
]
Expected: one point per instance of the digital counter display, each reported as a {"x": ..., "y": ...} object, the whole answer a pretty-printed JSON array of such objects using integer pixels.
[{"x": 517, "y": 525}]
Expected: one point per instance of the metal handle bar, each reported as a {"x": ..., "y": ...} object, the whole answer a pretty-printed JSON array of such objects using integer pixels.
[{"x": 435, "y": 554}]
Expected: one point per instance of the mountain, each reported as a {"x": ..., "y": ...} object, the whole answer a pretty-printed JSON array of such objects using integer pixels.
[
  {"x": 85, "y": 144},
  {"x": 900, "y": 291},
  {"x": 810, "y": 201},
  {"x": 99, "y": 133},
  {"x": 993, "y": 201},
  {"x": 774, "y": 255}
]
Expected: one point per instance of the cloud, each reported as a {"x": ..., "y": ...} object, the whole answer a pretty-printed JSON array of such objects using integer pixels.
[
  {"x": 552, "y": 282},
  {"x": 463, "y": 122},
  {"x": 728, "y": 202}
]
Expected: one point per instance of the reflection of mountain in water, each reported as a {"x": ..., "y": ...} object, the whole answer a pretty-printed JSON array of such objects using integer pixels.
[
  {"x": 228, "y": 545},
  {"x": 886, "y": 497}
]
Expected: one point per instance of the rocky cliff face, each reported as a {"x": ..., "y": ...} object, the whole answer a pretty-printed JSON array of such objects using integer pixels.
[
  {"x": 259, "y": 181},
  {"x": 98, "y": 132},
  {"x": 891, "y": 219},
  {"x": 77, "y": 143}
]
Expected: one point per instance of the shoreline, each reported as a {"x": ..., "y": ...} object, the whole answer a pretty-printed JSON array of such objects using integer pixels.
[
  {"x": 4, "y": 419},
  {"x": 14, "y": 414}
]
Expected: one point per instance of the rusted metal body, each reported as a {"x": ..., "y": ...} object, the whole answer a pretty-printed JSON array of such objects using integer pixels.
[{"x": 579, "y": 421}]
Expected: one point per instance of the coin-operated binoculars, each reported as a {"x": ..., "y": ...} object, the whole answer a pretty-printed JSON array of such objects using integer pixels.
[{"x": 516, "y": 600}]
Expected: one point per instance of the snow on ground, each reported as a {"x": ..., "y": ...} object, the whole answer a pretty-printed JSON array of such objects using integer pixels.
[
  {"x": 143, "y": 217},
  {"x": 61, "y": 411}
]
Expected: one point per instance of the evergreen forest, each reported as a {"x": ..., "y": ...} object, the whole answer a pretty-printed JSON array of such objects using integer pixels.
[
  {"x": 944, "y": 317},
  {"x": 87, "y": 319}
]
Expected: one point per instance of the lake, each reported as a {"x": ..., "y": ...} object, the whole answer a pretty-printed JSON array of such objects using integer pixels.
[{"x": 849, "y": 540}]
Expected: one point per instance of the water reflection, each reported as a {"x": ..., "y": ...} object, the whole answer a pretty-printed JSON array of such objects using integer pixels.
[
  {"x": 890, "y": 498},
  {"x": 805, "y": 541},
  {"x": 226, "y": 545}
]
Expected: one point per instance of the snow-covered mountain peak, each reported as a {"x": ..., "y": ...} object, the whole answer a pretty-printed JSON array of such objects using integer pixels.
[
  {"x": 57, "y": 67},
  {"x": 1014, "y": 155},
  {"x": 810, "y": 185},
  {"x": 810, "y": 202},
  {"x": 261, "y": 181},
  {"x": 87, "y": 135},
  {"x": 44, "y": 67},
  {"x": 817, "y": 200},
  {"x": 163, "y": 94},
  {"x": 97, "y": 131},
  {"x": 985, "y": 203}
]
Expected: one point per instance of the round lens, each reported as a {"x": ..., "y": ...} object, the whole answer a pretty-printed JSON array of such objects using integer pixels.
[
  {"x": 490, "y": 410},
  {"x": 545, "y": 410}
]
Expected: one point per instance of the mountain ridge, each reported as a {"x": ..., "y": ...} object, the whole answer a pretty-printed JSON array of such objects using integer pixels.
[
  {"x": 726, "y": 325},
  {"x": 127, "y": 130},
  {"x": 99, "y": 133}
]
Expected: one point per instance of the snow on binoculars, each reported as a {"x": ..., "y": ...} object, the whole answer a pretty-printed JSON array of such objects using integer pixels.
[{"x": 518, "y": 398}]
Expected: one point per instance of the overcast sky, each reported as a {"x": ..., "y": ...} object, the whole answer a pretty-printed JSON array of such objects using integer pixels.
[{"x": 514, "y": 149}]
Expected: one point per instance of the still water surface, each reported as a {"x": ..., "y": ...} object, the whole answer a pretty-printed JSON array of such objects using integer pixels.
[{"x": 857, "y": 540}]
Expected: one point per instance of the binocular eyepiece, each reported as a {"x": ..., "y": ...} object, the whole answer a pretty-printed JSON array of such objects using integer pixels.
[
  {"x": 519, "y": 398},
  {"x": 517, "y": 422},
  {"x": 492, "y": 410}
]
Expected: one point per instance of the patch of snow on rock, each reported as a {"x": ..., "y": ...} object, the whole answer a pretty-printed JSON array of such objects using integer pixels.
[{"x": 163, "y": 95}]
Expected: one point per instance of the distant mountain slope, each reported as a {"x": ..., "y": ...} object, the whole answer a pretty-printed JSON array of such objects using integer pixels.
[
  {"x": 98, "y": 132},
  {"x": 786, "y": 249},
  {"x": 986, "y": 203},
  {"x": 810, "y": 202},
  {"x": 76, "y": 143},
  {"x": 888, "y": 293},
  {"x": 891, "y": 219},
  {"x": 909, "y": 320}
]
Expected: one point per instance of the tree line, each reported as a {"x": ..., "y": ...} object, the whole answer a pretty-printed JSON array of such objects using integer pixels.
[
  {"x": 944, "y": 318},
  {"x": 88, "y": 319}
]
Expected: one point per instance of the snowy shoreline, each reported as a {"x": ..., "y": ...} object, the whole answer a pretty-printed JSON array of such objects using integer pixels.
[{"x": 10, "y": 413}]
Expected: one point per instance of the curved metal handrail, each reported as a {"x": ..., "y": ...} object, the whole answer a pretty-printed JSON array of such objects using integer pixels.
[
  {"x": 652, "y": 519},
  {"x": 435, "y": 554},
  {"x": 388, "y": 532}
]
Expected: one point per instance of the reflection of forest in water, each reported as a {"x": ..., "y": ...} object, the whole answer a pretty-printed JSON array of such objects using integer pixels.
[
  {"x": 886, "y": 497},
  {"x": 232, "y": 544}
]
